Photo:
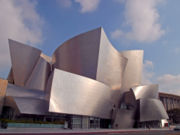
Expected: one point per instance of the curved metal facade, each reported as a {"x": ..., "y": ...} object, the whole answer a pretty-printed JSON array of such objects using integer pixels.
[
  {"x": 111, "y": 64},
  {"x": 152, "y": 109},
  {"x": 146, "y": 91},
  {"x": 74, "y": 94},
  {"x": 79, "y": 55},
  {"x": 85, "y": 76},
  {"x": 92, "y": 55},
  {"x": 133, "y": 72}
]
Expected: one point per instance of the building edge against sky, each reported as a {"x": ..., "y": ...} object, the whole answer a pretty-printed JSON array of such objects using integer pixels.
[{"x": 86, "y": 79}]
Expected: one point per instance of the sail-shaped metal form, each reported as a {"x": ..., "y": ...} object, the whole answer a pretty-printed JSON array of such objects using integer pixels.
[
  {"x": 23, "y": 59},
  {"x": 92, "y": 55}
]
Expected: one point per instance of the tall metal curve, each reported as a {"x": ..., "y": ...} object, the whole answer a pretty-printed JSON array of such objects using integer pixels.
[
  {"x": 111, "y": 64},
  {"x": 91, "y": 55},
  {"x": 79, "y": 55},
  {"x": 133, "y": 71}
]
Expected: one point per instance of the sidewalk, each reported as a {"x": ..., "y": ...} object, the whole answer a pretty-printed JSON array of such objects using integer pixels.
[{"x": 74, "y": 131}]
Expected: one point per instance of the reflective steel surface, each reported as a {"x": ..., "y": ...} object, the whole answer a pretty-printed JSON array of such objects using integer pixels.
[
  {"x": 133, "y": 71},
  {"x": 152, "y": 109},
  {"x": 31, "y": 105},
  {"x": 74, "y": 94},
  {"x": 86, "y": 76},
  {"x": 16, "y": 91},
  {"x": 39, "y": 75},
  {"x": 146, "y": 91},
  {"x": 79, "y": 55},
  {"x": 23, "y": 59},
  {"x": 26, "y": 101},
  {"x": 111, "y": 64}
]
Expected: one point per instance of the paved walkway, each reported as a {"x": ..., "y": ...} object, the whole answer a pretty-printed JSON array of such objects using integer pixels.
[{"x": 55, "y": 131}]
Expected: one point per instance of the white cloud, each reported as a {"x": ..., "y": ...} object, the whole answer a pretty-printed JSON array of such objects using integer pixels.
[
  {"x": 21, "y": 22},
  {"x": 116, "y": 34},
  {"x": 65, "y": 3},
  {"x": 169, "y": 83},
  {"x": 147, "y": 72},
  {"x": 143, "y": 18},
  {"x": 88, "y": 5}
]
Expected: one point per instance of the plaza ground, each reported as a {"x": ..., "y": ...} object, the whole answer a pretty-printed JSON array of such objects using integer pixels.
[{"x": 56, "y": 131}]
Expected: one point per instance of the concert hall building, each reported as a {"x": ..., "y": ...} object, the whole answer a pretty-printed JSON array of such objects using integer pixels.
[{"x": 86, "y": 83}]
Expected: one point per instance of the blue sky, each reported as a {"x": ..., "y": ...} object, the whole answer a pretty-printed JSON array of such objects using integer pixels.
[{"x": 151, "y": 25}]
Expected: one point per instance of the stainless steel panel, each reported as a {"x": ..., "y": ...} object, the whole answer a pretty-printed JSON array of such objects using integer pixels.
[
  {"x": 79, "y": 55},
  {"x": 111, "y": 64},
  {"x": 152, "y": 109},
  {"x": 23, "y": 58},
  {"x": 146, "y": 91},
  {"x": 31, "y": 106},
  {"x": 78, "y": 95},
  {"x": 39, "y": 75},
  {"x": 26, "y": 101},
  {"x": 16, "y": 91},
  {"x": 92, "y": 55},
  {"x": 124, "y": 119},
  {"x": 133, "y": 71}
]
